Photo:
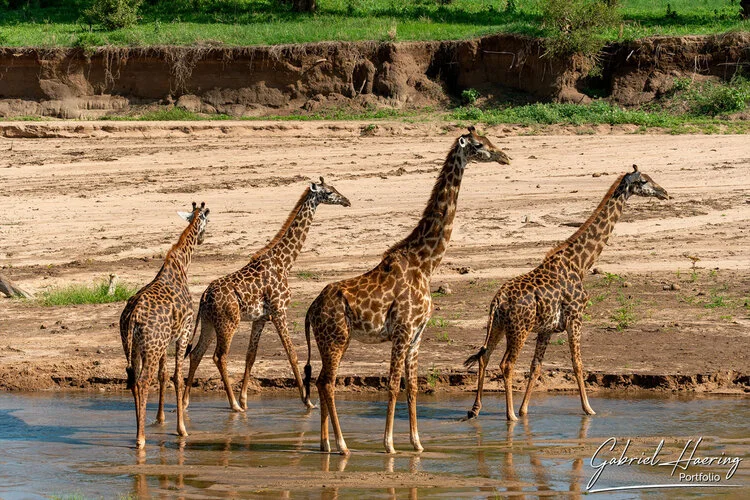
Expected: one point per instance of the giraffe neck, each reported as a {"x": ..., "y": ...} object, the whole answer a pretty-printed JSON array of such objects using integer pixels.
[
  {"x": 180, "y": 255},
  {"x": 429, "y": 240},
  {"x": 289, "y": 245},
  {"x": 584, "y": 247}
]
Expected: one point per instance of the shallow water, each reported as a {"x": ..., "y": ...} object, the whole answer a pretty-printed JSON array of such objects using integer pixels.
[{"x": 82, "y": 445}]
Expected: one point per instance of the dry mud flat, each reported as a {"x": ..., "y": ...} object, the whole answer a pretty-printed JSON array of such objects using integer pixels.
[{"x": 82, "y": 200}]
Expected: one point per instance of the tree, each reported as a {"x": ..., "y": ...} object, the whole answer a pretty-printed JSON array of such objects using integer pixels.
[{"x": 745, "y": 4}]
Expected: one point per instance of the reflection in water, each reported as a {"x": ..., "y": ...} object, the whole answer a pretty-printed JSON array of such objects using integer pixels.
[{"x": 272, "y": 448}]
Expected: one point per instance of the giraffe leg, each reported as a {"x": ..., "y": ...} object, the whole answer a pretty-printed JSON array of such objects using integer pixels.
[
  {"x": 330, "y": 354},
  {"x": 398, "y": 360},
  {"x": 162, "y": 386},
  {"x": 542, "y": 341},
  {"x": 252, "y": 350},
  {"x": 180, "y": 348},
  {"x": 410, "y": 372},
  {"x": 325, "y": 444},
  {"x": 279, "y": 321},
  {"x": 208, "y": 334},
  {"x": 574, "y": 338},
  {"x": 496, "y": 334},
  {"x": 141, "y": 399},
  {"x": 224, "y": 334},
  {"x": 516, "y": 338}
]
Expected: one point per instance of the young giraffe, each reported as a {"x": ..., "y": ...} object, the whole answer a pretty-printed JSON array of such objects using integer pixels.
[
  {"x": 258, "y": 292},
  {"x": 161, "y": 312},
  {"x": 551, "y": 298},
  {"x": 391, "y": 302}
]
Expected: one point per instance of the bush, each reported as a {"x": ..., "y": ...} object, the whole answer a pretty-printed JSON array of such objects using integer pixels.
[
  {"x": 576, "y": 26},
  {"x": 113, "y": 14},
  {"x": 469, "y": 96}
]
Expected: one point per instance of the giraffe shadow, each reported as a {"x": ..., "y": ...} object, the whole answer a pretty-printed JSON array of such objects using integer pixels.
[{"x": 13, "y": 428}]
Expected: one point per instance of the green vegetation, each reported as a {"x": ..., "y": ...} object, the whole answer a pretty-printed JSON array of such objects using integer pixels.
[
  {"x": 308, "y": 275},
  {"x": 87, "y": 294},
  {"x": 433, "y": 376},
  {"x": 438, "y": 323},
  {"x": 49, "y": 23},
  {"x": 624, "y": 316}
]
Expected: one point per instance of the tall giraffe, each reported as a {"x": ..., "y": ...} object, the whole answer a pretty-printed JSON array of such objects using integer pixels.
[
  {"x": 159, "y": 313},
  {"x": 391, "y": 302},
  {"x": 551, "y": 298},
  {"x": 258, "y": 292}
]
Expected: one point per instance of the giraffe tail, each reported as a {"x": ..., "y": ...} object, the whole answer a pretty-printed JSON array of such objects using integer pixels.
[
  {"x": 308, "y": 366},
  {"x": 130, "y": 369},
  {"x": 195, "y": 327},
  {"x": 474, "y": 358}
]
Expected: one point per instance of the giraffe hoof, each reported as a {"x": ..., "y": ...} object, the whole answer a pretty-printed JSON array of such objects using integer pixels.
[
  {"x": 589, "y": 411},
  {"x": 237, "y": 409},
  {"x": 512, "y": 418},
  {"x": 345, "y": 452},
  {"x": 139, "y": 445}
]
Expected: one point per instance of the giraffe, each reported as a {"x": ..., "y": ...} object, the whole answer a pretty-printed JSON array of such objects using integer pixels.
[
  {"x": 159, "y": 313},
  {"x": 258, "y": 292},
  {"x": 551, "y": 298},
  {"x": 391, "y": 302}
]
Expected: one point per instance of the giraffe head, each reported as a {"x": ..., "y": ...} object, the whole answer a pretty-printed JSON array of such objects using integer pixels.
[
  {"x": 638, "y": 183},
  {"x": 202, "y": 214},
  {"x": 478, "y": 148},
  {"x": 325, "y": 193}
]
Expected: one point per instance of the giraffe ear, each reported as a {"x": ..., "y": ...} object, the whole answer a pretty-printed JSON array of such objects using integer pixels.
[
  {"x": 314, "y": 187},
  {"x": 462, "y": 141},
  {"x": 188, "y": 216}
]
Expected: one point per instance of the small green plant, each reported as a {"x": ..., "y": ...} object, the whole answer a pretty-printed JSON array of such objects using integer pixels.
[
  {"x": 87, "y": 294},
  {"x": 444, "y": 337},
  {"x": 308, "y": 275},
  {"x": 624, "y": 316},
  {"x": 469, "y": 96},
  {"x": 435, "y": 322},
  {"x": 715, "y": 301},
  {"x": 433, "y": 375},
  {"x": 561, "y": 340},
  {"x": 610, "y": 278},
  {"x": 511, "y": 7}
]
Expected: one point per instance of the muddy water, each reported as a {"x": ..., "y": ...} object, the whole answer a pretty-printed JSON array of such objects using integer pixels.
[{"x": 81, "y": 444}]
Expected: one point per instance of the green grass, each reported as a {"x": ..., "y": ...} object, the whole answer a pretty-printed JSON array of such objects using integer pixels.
[
  {"x": 87, "y": 294},
  {"x": 260, "y": 22}
]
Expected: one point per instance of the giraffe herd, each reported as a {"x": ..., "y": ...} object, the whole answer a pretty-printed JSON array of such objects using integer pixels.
[{"x": 391, "y": 302}]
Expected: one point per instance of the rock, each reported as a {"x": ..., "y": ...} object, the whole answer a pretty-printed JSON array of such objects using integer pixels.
[
  {"x": 596, "y": 174},
  {"x": 596, "y": 270},
  {"x": 444, "y": 289},
  {"x": 42, "y": 327},
  {"x": 464, "y": 270},
  {"x": 674, "y": 286},
  {"x": 626, "y": 284}
]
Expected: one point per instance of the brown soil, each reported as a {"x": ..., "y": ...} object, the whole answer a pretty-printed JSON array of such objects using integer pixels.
[
  {"x": 258, "y": 81},
  {"x": 89, "y": 199}
]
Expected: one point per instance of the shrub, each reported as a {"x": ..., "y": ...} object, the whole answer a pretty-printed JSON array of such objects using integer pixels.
[
  {"x": 113, "y": 14},
  {"x": 576, "y": 26},
  {"x": 470, "y": 96}
]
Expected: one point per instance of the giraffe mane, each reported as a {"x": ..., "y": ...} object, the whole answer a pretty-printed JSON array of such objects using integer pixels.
[
  {"x": 285, "y": 226},
  {"x": 590, "y": 220},
  {"x": 183, "y": 236},
  {"x": 436, "y": 188}
]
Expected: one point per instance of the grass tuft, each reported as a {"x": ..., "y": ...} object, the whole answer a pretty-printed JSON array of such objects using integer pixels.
[{"x": 87, "y": 294}]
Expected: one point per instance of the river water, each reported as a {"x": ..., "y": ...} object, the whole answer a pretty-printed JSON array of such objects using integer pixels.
[{"x": 80, "y": 445}]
